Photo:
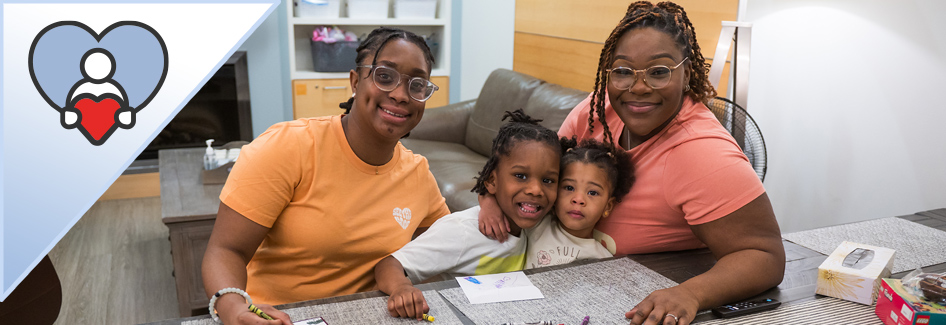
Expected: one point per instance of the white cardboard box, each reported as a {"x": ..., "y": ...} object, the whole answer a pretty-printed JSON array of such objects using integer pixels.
[
  {"x": 368, "y": 9},
  {"x": 415, "y": 9},
  {"x": 857, "y": 282}
]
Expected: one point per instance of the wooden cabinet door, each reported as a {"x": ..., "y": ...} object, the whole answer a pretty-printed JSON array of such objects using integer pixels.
[
  {"x": 188, "y": 244},
  {"x": 442, "y": 96},
  {"x": 319, "y": 97}
]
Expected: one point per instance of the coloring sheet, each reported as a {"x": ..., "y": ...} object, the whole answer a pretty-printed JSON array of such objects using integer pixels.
[{"x": 500, "y": 287}]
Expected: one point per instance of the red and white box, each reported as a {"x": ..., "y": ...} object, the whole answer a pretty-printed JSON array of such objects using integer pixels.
[{"x": 895, "y": 306}]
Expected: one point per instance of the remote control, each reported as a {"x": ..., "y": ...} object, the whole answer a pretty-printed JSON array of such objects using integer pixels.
[{"x": 743, "y": 308}]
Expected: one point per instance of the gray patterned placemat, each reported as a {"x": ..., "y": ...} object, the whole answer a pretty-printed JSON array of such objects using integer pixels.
[
  {"x": 819, "y": 311},
  {"x": 604, "y": 291},
  {"x": 916, "y": 245},
  {"x": 362, "y": 311}
]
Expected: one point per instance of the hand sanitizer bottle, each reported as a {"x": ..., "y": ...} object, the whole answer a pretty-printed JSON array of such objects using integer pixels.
[{"x": 210, "y": 158}]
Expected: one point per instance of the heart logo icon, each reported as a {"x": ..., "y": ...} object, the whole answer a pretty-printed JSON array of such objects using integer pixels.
[
  {"x": 98, "y": 82},
  {"x": 402, "y": 216},
  {"x": 97, "y": 117}
]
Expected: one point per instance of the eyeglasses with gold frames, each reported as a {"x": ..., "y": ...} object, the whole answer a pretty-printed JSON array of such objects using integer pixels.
[{"x": 655, "y": 77}]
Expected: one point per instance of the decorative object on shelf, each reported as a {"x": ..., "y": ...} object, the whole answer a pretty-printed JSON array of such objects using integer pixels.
[{"x": 317, "y": 8}]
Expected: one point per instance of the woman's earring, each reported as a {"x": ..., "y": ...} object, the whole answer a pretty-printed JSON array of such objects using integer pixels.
[
  {"x": 353, "y": 93},
  {"x": 687, "y": 88}
]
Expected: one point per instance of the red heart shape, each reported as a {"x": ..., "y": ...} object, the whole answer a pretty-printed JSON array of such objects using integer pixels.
[{"x": 97, "y": 117}]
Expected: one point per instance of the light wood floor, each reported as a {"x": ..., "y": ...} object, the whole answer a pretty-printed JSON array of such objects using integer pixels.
[{"x": 115, "y": 265}]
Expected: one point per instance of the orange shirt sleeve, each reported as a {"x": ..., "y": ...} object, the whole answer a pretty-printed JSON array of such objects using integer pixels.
[
  {"x": 708, "y": 179},
  {"x": 264, "y": 177}
]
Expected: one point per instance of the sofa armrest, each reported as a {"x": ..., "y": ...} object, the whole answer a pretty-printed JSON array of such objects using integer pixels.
[{"x": 445, "y": 123}]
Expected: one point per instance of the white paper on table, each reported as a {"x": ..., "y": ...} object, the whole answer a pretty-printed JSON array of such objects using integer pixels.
[
  {"x": 311, "y": 321},
  {"x": 512, "y": 286}
]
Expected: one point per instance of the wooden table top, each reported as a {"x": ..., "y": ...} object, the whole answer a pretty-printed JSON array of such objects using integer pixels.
[
  {"x": 798, "y": 285},
  {"x": 183, "y": 197}
]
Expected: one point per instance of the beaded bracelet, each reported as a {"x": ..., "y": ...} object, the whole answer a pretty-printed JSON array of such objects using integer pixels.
[{"x": 213, "y": 300}]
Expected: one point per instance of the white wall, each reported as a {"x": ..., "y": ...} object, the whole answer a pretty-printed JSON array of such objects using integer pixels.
[
  {"x": 483, "y": 41},
  {"x": 268, "y": 71},
  {"x": 849, "y": 97}
]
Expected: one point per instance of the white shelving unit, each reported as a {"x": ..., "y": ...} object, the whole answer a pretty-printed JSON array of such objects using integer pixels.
[{"x": 300, "y": 60}]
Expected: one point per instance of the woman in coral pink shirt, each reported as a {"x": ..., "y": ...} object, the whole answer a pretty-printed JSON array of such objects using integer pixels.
[{"x": 694, "y": 188}]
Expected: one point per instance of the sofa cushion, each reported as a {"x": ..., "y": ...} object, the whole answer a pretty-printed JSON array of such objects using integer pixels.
[
  {"x": 503, "y": 91},
  {"x": 552, "y": 103},
  {"x": 454, "y": 166}
]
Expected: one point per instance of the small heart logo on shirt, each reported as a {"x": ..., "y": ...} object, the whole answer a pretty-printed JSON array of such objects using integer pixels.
[{"x": 402, "y": 216}]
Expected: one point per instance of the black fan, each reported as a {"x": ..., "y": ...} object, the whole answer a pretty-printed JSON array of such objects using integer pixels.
[{"x": 743, "y": 128}]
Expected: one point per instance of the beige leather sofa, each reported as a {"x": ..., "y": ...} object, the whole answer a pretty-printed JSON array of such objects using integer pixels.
[{"x": 456, "y": 139}]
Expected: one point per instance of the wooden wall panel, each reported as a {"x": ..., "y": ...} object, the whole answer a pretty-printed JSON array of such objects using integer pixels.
[
  {"x": 566, "y": 62},
  {"x": 560, "y": 40},
  {"x": 580, "y": 20},
  {"x": 442, "y": 96}
]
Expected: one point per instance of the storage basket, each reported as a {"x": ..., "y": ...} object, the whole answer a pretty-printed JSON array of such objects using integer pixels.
[{"x": 334, "y": 57}]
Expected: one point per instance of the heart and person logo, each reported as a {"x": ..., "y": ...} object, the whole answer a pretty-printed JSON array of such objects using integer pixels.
[
  {"x": 402, "y": 216},
  {"x": 98, "y": 82}
]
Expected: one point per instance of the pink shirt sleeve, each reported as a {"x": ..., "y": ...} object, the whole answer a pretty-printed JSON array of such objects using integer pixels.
[
  {"x": 709, "y": 179},
  {"x": 576, "y": 123}
]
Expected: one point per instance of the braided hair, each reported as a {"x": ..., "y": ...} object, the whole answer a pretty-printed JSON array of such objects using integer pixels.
[
  {"x": 374, "y": 43},
  {"x": 521, "y": 127},
  {"x": 669, "y": 18},
  {"x": 614, "y": 161}
]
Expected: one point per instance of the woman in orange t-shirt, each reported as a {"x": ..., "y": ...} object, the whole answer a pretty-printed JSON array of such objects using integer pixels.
[
  {"x": 695, "y": 188},
  {"x": 313, "y": 204}
]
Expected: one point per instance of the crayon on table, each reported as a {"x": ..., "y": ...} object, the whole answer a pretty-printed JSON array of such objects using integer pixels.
[
  {"x": 585, "y": 321},
  {"x": 428, "y": 318}
]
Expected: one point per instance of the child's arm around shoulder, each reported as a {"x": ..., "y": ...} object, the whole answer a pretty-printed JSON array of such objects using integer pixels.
[
  {"x": 405, "y": 300},
  {"x": 492, "y": 223}
]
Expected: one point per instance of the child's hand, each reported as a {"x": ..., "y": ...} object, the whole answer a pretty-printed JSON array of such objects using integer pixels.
[
  {"x": 407, "y": 301},
  {"x": 492, "y": 222}
]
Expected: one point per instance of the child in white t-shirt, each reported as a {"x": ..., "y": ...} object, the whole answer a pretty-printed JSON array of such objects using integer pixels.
[
  {"x": 522, "y": 174},
  {"x": 594, "y": 177}
]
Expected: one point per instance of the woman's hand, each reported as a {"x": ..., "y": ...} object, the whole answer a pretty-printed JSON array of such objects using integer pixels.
[
  {"x": 407, "y": 301},
  {"x": 750, "y": 259},
  {"x": 236, "y": 311},
  {"x": 658, "y": 307},
  {"x": 492, "y": 222},
  {"x": 232, "y": 243}
]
